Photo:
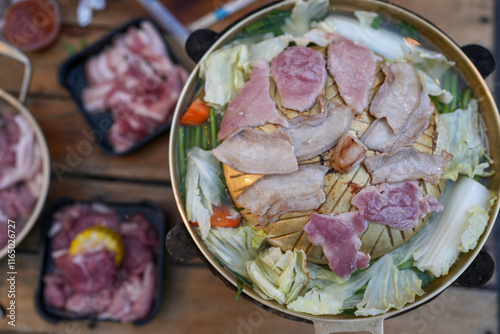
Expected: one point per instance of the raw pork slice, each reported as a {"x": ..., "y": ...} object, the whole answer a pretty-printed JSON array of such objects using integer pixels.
[
  {"x": 338, "y": 236},
  {"x": 136, "y": 79},
  {"x": 313, "y": 135},
  {"x": 271, "y": 196},
  {"x": 73, "y": 219},
  {"x": 380, "y": 137},
  {"x": 399, "y": 206},
  {"x": 257, "y": 152},
  {"x": 348, "y": 153},
  {"x": 405, "y": 164},
  {"x": 54, "y": 290},
  {"x": 141, "y": 244},
  {"x": 134, "y": 299},
  {"x": 353, "y": 67},
  {"x": 398, "y": 97},
  {"x": 82, "y": 272},
  {"x": 300, "y": 75},
  {"x": 253, "y": 106}
]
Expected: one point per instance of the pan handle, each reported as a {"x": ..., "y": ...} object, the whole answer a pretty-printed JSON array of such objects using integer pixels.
[
  {"x": 368, "y": 325},
  {"x": 12, "y": 52}
]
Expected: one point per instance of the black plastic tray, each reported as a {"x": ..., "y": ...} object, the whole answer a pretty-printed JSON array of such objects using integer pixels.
[
  {"x": 72, "y": 76},
  {"x": 151, "y": 210}
]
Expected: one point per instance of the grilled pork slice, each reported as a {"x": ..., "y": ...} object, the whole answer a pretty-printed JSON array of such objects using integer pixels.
[
  {"x": 313, "y": 135},
  {"x": 353, "y": 68},
  {"x": 300, "y": 75},
  {"x": 254, "y": 106},
  {"x": 398, "y": 97},
  {"x": 270, "y": 196},
  {"x": 257, "y": 152},
  {"x": 399, "y": 206},
  {"x": 380, "y": 137},
  {"x": 406, "y": 164},
  {"x": 348, "y": 153},
  {"x": 338, "y": 236}
]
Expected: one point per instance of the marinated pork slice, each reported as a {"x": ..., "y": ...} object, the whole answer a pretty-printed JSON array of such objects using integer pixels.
[
  {"x": 398, "y": 97},
  {"x": 73, "y": 219},
  {"x": 300, "y": 75},
  {"x": 338, "y": 236},
  {"x": 135, "y": 73},
  {"x": 313, "y": 135},
  {"x": 380, "y": 137},
  {"x": 257, "y": 152},
  {"x": 254, "y": 106},
  {"x": 353, "y": 68},
  {"x": 270, "y": 196},
  {"x": 348, "y": 153},
  {"x": 406, "y": 164},
  {"x": 83, "y": 274},
  {"x": 399, "y": 206}
]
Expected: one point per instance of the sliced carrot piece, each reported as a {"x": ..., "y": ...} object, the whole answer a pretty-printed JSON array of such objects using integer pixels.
[
  {"x": 197, "y": 113},
  {"x": 222, "y": 217}
]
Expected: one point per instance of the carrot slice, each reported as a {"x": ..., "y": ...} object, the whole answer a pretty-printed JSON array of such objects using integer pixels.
[
  {"x": 197, "y": 113},
  {"x": 222, "y": 217}
]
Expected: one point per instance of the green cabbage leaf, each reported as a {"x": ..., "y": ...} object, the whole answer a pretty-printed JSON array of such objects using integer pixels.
[
  {"x": 278, "y": 276},
  {"x": 233, "y": 247},
  {"x": 460, "y": 135}
]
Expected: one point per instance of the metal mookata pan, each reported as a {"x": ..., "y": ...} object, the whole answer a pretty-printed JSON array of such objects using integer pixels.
[
  {"x": 473, "y": 64},
  {"x": 16, "y": 105}
]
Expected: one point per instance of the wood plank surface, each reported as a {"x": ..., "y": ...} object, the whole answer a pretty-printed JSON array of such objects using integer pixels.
[
  {"x": 109, "y": 191},
  {"x": 194, "y": 301},
  {"x": 182, "y": 311}
]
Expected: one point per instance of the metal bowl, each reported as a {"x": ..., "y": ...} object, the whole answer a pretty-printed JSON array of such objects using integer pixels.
[
  {"x": 17, "y": 105},
  {"x": 345, "y": 322}
]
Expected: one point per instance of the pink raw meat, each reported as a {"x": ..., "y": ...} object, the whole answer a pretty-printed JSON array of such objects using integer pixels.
[
  {"x": 300, "y": 75},
  {"x": 352, "y": 66},
  {"x": 82, "y": 272},
  {"x": 338, "y": 236},
  {"x": 253, "y": 106},
  {"x": 399, "y": 206}
]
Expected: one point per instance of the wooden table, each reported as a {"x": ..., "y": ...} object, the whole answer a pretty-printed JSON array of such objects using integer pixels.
[{"x": 194, "y": 300}]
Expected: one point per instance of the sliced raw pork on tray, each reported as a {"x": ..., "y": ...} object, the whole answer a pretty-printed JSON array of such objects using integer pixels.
[
  {"x": 300, "y": 75},
  {"x": 135, "y": 79},
  {"x": 20, "y": 171},
  {"x": 102, "y": 266},
  {"x": 253, "y": 106},
  {"x": 353, "y": 67}
]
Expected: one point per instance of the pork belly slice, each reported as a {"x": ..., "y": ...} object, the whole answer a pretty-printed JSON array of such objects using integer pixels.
[
  {"x": 348, "y": 153},
  {"x": 338, "y": 234},
  {"x": 257, "y": 152},
  {"x": 405, "y": 164},
  {"x": 380, "y": 137},
  {"x": 399, "y": 206},
  {"x": 254, "y": 106},
  {"x": 353, "y": 68},
  {"x": 270, "y": 196},
  {"x": 313, "y": 135},
  {"x": 300, "y": 75},
  {"x": 398, "y": 97}
]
